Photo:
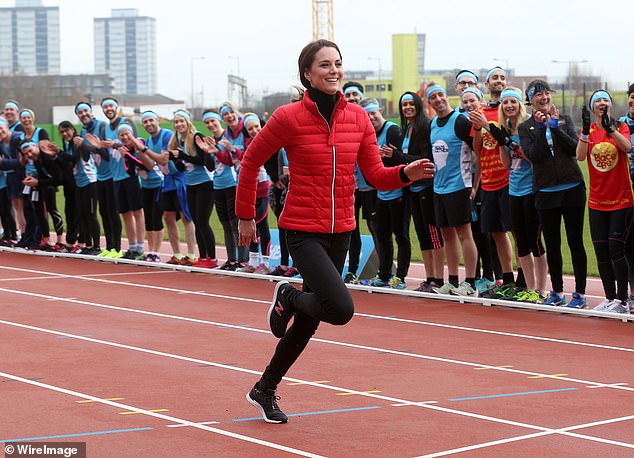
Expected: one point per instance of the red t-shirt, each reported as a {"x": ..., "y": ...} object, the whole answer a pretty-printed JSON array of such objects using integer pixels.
[
  {"x": 610, "y": 181},
  {"x": 494, "y": 175}
]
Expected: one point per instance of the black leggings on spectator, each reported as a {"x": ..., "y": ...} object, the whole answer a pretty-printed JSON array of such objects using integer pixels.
[
  {"x": 320, "y": 259},
  {"x": 87, "y": 211},
  {"x": 71, "y": 213},
  {"x": 6, "y": 217},
  {"x": 109, "y": 216},
  {"x": 225, "y": 200},
  {"x": 550, "y": 220},
  {"x": 610, "y": 232},
  {"x": 392, "y": 217},
  {"x": 200, "y": 200},
  {"x": 364, "y": 206}
]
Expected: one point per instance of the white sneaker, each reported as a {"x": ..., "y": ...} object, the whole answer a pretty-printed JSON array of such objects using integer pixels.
[
  {"x": 447, "y": 288},
  {"x": 630, "y": 301},
  {"x": 603, "y": 306},
  {"x": 465, "y": 289},
  {"x": 616, "y": 306}
]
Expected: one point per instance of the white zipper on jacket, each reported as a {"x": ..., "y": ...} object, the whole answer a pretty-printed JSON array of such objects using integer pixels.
[{"x": 334, "y": 163}]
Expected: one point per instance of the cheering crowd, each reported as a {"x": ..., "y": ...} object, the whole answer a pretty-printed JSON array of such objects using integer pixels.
[{"x": 506, "y": 175}]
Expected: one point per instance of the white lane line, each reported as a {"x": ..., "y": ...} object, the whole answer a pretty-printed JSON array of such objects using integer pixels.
[
  {"x": 567, "y": 431},
  {"x": 58, "y": 276},
  {"x": 161, "y": 416},
  {"x": 135, "y": 285},
  {"x": 330, "y": 342},
  {"x": 389, "y": 399}
]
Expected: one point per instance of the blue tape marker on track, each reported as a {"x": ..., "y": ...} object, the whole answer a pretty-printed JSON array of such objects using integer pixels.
[
  {"x": 521, "y": 393},
  {"x": 320, "y": 412},
  {"x": 63, "y": 436}
]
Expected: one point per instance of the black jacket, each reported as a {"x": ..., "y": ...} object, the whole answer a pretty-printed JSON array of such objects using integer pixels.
[{"x": 556, "y": 166}]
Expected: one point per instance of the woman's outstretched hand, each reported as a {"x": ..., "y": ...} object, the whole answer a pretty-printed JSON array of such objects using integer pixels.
[{"x": 420, "y": 170}]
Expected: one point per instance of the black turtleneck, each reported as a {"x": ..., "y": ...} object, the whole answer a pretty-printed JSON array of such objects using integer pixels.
[{"x": 325, "y": 102}]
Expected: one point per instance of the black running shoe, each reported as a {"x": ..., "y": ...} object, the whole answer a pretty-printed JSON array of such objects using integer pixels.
[
  {"x": 266, "y": 402},
  {"x": 280, "y": 312}
]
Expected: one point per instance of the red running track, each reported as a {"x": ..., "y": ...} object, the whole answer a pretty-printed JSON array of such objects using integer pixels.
[{"x": 144, "y": 362}]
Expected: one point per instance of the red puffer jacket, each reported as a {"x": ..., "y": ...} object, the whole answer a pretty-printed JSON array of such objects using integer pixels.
[{"x": 321, "y": 165}]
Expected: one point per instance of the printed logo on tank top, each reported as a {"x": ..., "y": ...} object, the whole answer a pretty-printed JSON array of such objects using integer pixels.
[
  {"x": 440, "y": 151},
  {"x": 604, "y": 156}
]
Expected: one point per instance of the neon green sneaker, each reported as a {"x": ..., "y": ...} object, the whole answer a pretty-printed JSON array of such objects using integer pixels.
[{"x": 104, "y": 254}]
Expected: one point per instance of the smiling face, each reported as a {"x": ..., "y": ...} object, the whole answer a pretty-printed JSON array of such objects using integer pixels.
[
  {"x": 600, "y": 105},
  {"x": 353, "y": 96},
  {"x": 326, "y": 71},
  {"x": 230, "y": 118},
  {"x": 465, "y": 82},
  {"x": 497, "y": 82},
  {"x": 109, "y": 110},
  {"x": 180, "y": 124},
  {"x": 126, "y": 137},
  {"x": 253, "y": 127},
  {"x": 469, "y": 101},
  {"x": 438, "y": 101},
  {"x": 409, "y": 109},
  {"x": 150, "y": 125},
  {"x": 66, "y": 134},
  {"x": 510, "y": 107},
  {"x": 10, "y": 114},
  {"x": 541, "y": 101},
  {"x": 84, "y": 115},
  {"x": 27, "y": 121},
  {"x": 214, "y": 126}
]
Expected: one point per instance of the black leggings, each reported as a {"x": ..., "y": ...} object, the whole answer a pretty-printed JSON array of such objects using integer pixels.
[
  {"x": 225, "y": 200},
  {"x": 392, "y": 218},
  {"x": 200, "y": 200},
  {"x": 526, "y": 228},
  {"x": 550, "y": 220},
  {"x": 277, "y": 203},
  {"x": 262, "y": 227},
  {"x": 610, "y": 232},
  {"x": 6, "y": 217},
  {"x": 109, "y": 216},
  {"x": 87, "y": 211},
  {"x": 43, "y": 205},
  {"x": 488, "y": 259},
  {"x": 320, "y": 259},
  {"x": 364, "y": 206},
  {"x": 71, "y": 213}
]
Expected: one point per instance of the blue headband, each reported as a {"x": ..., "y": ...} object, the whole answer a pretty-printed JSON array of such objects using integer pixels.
[
  {"x": 124, "y": 126},
  {"x": 149, "y": 114},
  {"x": 372, "y": 107},
  {"x": 492, "y": 71},
  {"x": 468, "y": 73},
  {"x": 109, "y": 102},
  {"x": 184, "y": 114},
  {"x": 24, "y": 145},
  {"x": 510, "y": 93},
  {"x": 433, "y": 89},
  {"x": 407, "y": 97},
  {"x": 212, "y": 115},
  {"x": 354, "y": 89},
  {"x": 249, "y": 118},
  {"x": 599, "y": 95},
  {"x": 475, "y": 90},
  {"x": 224, "y": 109},
  {"x": 83, "y": 106},
  {"x": 12, "y": 105},
  {"x": 25, "y": 113},
  {"x": 3, "y": 122}
]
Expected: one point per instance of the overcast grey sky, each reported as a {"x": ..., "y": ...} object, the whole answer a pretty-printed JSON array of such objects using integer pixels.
[{"x": 268, "y": 35}]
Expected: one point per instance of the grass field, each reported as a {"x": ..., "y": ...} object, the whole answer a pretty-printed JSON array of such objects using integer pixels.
[{"x": 416, "y": 254}]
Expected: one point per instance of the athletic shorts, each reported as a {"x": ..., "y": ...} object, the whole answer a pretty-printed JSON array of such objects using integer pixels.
[
  {"x": 422, "y": 207},
  {"x": 366, "y": 201},
  {"x": 495, "y": 214},
  {"x": 152, "y": 209},
  {"x": 169, "y": 202},
  {"x": 453, "y": 209},
  {"x": 127, "y": 195}
]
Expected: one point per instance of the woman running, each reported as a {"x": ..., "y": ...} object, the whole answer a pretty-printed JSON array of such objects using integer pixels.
[{"x": 323, "y": 136}]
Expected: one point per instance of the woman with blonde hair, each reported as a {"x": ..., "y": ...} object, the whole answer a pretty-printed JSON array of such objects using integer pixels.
[
  {"x": 525, "y": 221},
  {"x": 200, "y": 191}
]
